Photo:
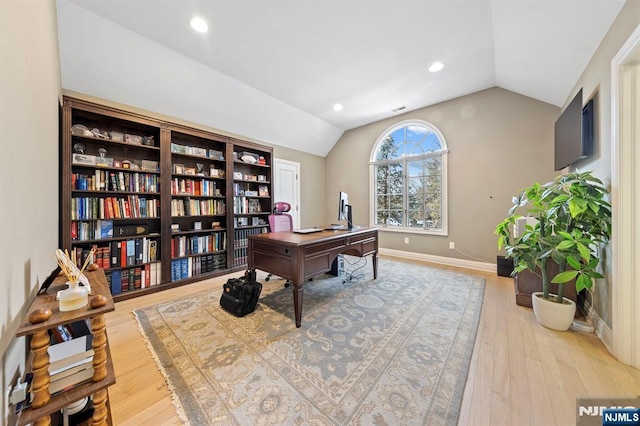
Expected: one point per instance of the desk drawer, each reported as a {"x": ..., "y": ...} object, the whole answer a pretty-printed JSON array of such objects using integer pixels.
[{"x": 271, "y": 248}]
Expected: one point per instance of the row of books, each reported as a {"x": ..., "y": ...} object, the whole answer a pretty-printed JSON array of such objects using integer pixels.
[
  {"x": 191, "y": 207},
  {"x": 117, "y": 254},
  {"x": 242, "y": 236},
  {"x": 244, "y": 205},
  {"x": 240, "y": 256},
  {"x": 129, "y": 279},
  {"x": 70, "y": 356},
  {"x": 202, "y": 187},
  {"x": 130, "y": 207},
  {"x": 104, "y": 180},
  {"x": 92, "y": 230},
  {"x": 198, "y": 244},
  {"x": 191, "y": 266}
]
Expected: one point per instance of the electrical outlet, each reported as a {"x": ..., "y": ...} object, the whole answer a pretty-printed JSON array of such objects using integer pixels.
[
  {"x": 406, "y": 240},
  {"x": 452, "y": 245}
]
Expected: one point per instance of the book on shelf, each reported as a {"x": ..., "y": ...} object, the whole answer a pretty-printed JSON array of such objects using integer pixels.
[
  {"x": 81, "y": 341},
  {"x": 124, "y": 280},
  {"x": 116, "y": 281},
  {"x": 70, "y": 361},
  {"x": 72, "y": 368},
  {"x": 70, "y": 381}
]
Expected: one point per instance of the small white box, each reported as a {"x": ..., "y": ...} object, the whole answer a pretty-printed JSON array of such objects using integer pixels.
[{"x": 84, "y": 159}]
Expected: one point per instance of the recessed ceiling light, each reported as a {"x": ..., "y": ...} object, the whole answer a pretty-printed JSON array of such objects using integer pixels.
[
  {"x": 199, "y": 24},
  {"x": 337, "y": 107},
  {"x": 436, "y": 66}
]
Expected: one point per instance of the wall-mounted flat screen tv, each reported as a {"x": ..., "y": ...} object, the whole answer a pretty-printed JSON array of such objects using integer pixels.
[{"x": 574, "y": 133}]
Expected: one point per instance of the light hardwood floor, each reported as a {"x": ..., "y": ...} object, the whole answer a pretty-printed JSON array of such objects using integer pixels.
[{"x": 520, "y": 374}]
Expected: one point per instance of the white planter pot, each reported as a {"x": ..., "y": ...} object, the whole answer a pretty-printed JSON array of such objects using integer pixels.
[{"x": 553, "y": 315}]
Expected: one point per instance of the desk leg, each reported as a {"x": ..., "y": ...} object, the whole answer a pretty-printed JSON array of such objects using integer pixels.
[
  {"x": 297, "y": 302},
  {"x": 375, "y": 265}
]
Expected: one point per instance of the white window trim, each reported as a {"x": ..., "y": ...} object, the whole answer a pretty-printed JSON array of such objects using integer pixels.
[{"x": 372, "y": 181}]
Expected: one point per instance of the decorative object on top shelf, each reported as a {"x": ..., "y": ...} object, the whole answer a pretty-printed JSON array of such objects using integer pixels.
[
  {"x": 79, "y": 148},
  {"x": 248, "y": 157},
  {"x": 75, "y": 296},
  {"x": 100, "y": 134},
  {"x": 573, "y": 222},
  {"x": 102, "y": 160},
  {"x": 80, "y": 130},
  {"x": 215, "y": 172},
  {"x": 134, "y": 139},
  {"x": 117, "y": 136}
]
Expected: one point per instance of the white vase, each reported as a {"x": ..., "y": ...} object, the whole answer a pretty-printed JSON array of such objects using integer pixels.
[{"x": 553, "y": 315}]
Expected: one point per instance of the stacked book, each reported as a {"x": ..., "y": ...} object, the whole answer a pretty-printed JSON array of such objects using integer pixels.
[{"x": 70, "y": 356}]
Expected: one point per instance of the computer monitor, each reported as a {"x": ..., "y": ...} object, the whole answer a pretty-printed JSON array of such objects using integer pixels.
[{"x": 344, "y": 210}]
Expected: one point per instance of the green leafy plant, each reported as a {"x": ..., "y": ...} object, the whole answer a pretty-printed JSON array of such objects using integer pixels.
[{"x": 573, "y": 220}]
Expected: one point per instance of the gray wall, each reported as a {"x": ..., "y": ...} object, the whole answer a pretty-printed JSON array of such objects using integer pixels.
[
  {"x": 30, "y": 88},
  {"x": 596, "y": 81},
  {"x": 312, "y": 184},
  {"x": 498, "y": 141}
]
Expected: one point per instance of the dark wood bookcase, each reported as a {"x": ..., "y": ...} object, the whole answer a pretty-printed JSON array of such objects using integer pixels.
[
  {"x": 156, "y": 199},
  {"x": 252, "y": 192}
]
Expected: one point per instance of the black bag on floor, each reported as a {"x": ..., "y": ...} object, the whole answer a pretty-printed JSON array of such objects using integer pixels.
[{"x": 240, "y": 295}]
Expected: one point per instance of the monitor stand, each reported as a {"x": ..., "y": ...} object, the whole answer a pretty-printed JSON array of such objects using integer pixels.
[{"x": 349, "y": 217}]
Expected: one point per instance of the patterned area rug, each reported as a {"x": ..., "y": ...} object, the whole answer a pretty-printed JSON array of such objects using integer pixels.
[{"x": 390, "y": 351}]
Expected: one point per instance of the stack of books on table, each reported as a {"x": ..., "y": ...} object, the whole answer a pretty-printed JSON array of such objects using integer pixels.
[{"x": 70, "y": 356}]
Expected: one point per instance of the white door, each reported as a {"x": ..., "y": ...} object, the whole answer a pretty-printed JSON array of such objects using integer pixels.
[
  {"x": 625, "y": 126},
  {"x": 287, "y": 187}
]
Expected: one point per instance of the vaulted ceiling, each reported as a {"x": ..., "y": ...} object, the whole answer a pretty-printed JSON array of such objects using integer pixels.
[{"x": 273, "y": 69}]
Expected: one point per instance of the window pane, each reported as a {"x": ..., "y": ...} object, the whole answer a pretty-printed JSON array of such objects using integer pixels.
[
  {"x": 398, "y": 140},
  {"x": 416, "y": 218},
  {"x": 415, "y": 137},
  {"x": 396, "y": 202},
  {"x": 416, "y": 168},
  {"x": 388, "y": 149},
  {"x": 395, "y": 186},
  {"x": 382, "y": 203},
  {"x": 382, "y": 187},
  {"x": 432, "y": 143},
  {"x": 395, "y": 218}
]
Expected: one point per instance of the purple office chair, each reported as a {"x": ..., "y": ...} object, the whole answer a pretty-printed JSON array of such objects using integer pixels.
[{"x": 280, "y": 221}]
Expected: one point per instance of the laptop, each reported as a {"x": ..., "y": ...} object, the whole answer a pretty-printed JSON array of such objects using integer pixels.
[{"x": 307, "y": 230}]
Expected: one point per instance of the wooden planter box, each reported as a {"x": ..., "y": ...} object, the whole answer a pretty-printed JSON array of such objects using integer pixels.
[{"x": 526, "y": 283}]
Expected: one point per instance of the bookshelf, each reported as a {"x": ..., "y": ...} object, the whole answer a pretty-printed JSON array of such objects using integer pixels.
[
  {"x": 198, "y": 204},
  {"x": 44, "y": 404},
  {"x": 156, "y": 198},
  {"x": 252, "y": 195}
]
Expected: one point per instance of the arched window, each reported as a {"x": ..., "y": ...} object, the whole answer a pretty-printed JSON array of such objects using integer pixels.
[{"x": 409, "y": 170}]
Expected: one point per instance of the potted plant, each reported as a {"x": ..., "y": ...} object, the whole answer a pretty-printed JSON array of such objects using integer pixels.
[{"x": 573, "y": 220}]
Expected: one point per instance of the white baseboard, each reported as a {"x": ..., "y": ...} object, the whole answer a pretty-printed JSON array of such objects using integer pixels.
[
  {"x": 602, "y": 330},
  {"x": 449, "y": 261}
]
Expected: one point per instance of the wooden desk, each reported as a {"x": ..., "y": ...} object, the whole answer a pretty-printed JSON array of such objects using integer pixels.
[{"x": 298, "y": 257}]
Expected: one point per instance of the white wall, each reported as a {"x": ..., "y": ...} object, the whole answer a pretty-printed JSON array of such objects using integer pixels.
[
  {"x": 596, "y": 80},
  {"x": 30, "y": 90},
  {"x": 102, "y": 59}
]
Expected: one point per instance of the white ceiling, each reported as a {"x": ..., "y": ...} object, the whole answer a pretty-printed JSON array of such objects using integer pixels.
[{"x": 372, "y": 56}]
